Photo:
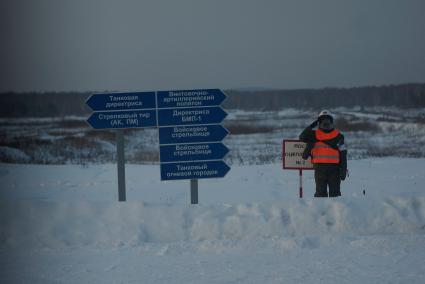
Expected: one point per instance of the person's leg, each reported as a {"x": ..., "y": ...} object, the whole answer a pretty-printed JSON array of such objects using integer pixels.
[
  {"x": 321, "y": 183},
  {"x": 334, "y": 180}
]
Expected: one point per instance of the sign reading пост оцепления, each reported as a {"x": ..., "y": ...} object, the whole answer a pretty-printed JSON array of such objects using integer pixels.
[{"x": 292, "y": 156}]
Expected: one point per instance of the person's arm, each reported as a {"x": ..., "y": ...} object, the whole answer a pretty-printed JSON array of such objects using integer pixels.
[
  {"x": 308, "y": 134},
  {"x": 307, "y": 150},
  {"x": 343, "y": 156}
]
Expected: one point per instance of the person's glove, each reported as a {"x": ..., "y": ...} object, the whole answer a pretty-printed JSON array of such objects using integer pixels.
[
  {"x": 343, "y": 173},
  {"x": 314, "y": 124}
]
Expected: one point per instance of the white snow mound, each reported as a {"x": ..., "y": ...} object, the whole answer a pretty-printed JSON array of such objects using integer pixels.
[{"x": 63, "y": 224}]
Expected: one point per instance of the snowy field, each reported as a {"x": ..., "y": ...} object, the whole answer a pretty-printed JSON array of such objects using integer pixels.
[
  {"x": 255, "y": 137},
  {"x": 62, "y": 224}
]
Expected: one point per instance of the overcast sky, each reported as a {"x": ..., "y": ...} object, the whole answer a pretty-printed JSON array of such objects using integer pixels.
[{"x": 159, "y": 45}]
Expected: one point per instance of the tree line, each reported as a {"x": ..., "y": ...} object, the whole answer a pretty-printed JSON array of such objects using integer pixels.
[
  {"x": 403, "y": 96},
  {"x": 54, "y": 104}
]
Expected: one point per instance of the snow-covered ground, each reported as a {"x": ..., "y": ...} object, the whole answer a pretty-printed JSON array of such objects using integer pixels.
[{"x": 62, "y": 224}]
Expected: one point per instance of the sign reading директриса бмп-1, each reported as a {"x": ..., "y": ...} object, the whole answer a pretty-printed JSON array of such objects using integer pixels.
[
  {"x": 191, "y": 116},
  {"x": 292, "y": 156}
]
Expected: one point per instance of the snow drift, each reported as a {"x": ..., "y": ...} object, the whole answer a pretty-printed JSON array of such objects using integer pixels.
[{"x": 63, "y": 224}]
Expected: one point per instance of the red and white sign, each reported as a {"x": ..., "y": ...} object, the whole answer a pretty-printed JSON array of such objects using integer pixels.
[{"x": 292, "y": 156}]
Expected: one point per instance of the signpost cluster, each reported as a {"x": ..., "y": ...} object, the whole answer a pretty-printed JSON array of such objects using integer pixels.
[{"x": 190, "y": 132}]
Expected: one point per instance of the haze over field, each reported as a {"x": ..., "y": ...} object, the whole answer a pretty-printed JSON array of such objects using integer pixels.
[{"x": 158, "y": 45}]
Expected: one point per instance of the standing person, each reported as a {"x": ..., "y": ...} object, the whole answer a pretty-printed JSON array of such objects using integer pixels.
[{"x": 328, "y": 154}]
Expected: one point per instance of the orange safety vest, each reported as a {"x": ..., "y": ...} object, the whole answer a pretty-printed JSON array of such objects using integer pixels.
[{"x": 322, "y": 153}]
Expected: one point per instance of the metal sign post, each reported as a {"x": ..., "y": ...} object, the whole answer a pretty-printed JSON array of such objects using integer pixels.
[
  {"x": 194, "y": 191},
  {"x": 292, "y": 151},
  {"x": 120, "y": 165}
]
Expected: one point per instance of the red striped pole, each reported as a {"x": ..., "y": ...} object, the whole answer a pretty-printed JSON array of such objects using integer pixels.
[{"x": 301, "y": 183}]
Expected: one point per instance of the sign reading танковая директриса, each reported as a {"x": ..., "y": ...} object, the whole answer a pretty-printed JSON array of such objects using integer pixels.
[{"x": 190, "y": 132}]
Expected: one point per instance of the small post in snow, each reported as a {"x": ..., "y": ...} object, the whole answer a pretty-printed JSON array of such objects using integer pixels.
[
  {"x": 120, "y": 165},
  {"x": 301, "y": 183},
  {"x": 194, "y": 191}
]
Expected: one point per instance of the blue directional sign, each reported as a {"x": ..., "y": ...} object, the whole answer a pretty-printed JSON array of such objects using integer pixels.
[
  {"x": 122, "y": 119},
  {"x": 122, "y": 101},
  {"x": 192, "y": 152},
  {"x": 190, "y": 116},
  {"x": 190, "y": 98},
  {"x": 194, "y": 170},
  {"x": 191, "y": 134}
]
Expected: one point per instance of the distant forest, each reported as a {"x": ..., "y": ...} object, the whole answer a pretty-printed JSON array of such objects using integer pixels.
[{"x": 50, "y": 104}]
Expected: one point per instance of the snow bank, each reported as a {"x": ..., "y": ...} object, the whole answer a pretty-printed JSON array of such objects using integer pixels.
[
  {"x": 62, "y": 224},
  {"x": 79, "y": 224}
]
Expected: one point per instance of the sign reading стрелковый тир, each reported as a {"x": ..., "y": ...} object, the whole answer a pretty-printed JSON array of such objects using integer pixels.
[{"x": 190, "y": 133}]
